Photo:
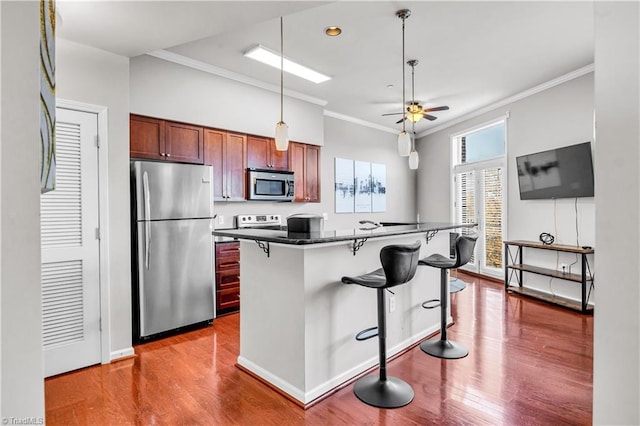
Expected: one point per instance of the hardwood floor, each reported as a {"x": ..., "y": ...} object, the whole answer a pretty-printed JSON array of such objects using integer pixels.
[{"x": 530, "y": 363}]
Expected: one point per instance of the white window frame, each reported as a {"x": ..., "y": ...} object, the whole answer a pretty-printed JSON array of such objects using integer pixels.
[{"x": 500, "y": 161}]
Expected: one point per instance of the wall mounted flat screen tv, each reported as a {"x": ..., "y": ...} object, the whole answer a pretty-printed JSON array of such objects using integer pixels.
[{"x": 565, "y": 172}]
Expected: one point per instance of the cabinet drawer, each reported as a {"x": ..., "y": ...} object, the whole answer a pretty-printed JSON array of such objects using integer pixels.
[
  {"x": 228, "y": 249},
  {"x": 227, "y": 279},
  {"x": 228, "y": 262},
  {"x": 227, "y": 299}
]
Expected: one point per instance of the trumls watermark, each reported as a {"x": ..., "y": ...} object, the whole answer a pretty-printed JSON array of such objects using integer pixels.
[{"x": 23, "y": 420}]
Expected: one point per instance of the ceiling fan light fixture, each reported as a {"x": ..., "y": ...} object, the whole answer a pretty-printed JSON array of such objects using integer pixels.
[{"x": 404, "y": 143}]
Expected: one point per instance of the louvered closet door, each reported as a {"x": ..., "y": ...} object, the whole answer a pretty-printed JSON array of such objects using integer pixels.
[{"x": 70, "y": 249}]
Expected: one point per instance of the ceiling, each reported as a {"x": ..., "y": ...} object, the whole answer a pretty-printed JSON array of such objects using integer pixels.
[{"x": 471, "y": 54}]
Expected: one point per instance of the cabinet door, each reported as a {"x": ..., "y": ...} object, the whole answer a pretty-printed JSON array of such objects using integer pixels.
[
  {"x": 234, "y": 164},
  {"x": 146, "y": 137},
  {"x": 184, "y": 143},
  {"x": 278, "y": 160},
  {"x": 214, "y": 156},
  {"x": 297, "y": 163},
  {"x": 312, "y": 173},
  {"x": 258, "y": 152}
]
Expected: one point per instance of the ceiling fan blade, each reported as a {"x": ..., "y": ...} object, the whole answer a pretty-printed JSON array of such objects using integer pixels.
[
  {"x": 401, "y": 120},
  {"x": 429, "y": 117},
  {"x": 393, "y": 113},
  {"x": 440, "y": 108}
]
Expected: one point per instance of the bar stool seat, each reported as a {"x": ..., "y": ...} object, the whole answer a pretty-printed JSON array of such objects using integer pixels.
[
  {"x": 399, "y": 265},
  {"x": 443, "y": 347}
]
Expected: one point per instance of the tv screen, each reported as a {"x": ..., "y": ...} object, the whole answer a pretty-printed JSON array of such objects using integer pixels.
[{"x": 565, "y": 172}]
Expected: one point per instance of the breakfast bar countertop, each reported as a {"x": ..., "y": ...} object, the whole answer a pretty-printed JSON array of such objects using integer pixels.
[{"x": 329, "y": 236}]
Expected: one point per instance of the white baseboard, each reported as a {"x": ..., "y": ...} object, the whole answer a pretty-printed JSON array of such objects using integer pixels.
[
  {"x": 121, "y": 353},
  {"x": 332, "y": 383}
]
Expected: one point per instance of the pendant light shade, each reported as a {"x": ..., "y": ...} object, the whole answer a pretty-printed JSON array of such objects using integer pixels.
[
  {"x": 282, "y": 130},
  {"x": 282, "y": 136},
  {"x": 413, "y": 160},
  {"x": 413, "y": 155},
  {"x": 404, "y": 143}
]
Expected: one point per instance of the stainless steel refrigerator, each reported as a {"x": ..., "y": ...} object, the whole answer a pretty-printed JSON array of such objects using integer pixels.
[{"x": 173, "y": 267}]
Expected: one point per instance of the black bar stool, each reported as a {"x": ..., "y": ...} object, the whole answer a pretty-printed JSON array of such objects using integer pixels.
[
  {"x": 399, "y": 265},
  {"x": 442, "y": 347}
]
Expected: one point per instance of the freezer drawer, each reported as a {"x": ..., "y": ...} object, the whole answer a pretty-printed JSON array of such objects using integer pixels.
[{"x": 175, "y": 274}]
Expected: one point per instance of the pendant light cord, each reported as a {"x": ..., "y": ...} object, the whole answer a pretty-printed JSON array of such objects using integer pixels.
[
  {"x": 403, "y": 83},
  {"x": 281, "y": 69}
]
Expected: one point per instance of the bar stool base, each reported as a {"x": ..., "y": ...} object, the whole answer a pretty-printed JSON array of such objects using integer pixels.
[
  {"x": 390, "y": 393},
  {"x": 446, "y": 349}
]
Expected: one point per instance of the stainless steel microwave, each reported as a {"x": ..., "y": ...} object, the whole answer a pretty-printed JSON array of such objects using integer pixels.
[{"x": 269, "y": 185}]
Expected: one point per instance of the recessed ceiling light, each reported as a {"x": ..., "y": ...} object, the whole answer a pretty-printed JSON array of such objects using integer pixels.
[
  {"x": 332, "y": 31},
  {"x": 269, "y": 57}
]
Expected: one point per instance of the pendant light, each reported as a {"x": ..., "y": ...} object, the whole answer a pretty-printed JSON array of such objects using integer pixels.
[
  {"x": 404, "y": 140},
  {"x": 413, "y": 156},
  {"x": 282, "y": 130}
]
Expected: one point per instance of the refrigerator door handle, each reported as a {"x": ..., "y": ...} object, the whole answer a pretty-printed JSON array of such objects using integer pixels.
[{"x": 147, "y": 223}]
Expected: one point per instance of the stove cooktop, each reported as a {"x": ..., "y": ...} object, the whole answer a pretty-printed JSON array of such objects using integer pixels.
[{"x": 265, "y": 221}]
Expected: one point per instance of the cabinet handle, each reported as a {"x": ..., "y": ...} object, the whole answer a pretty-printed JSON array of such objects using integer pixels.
[
  {"x": 168, "y": 155},
  {"x": 162, "y": 154}
]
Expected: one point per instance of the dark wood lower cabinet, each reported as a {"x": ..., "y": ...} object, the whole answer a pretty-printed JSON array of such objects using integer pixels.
[{"x": 227, "y": 277}]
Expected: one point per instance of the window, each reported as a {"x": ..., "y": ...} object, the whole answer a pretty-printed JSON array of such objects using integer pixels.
[{"x": 478, "y": 176}]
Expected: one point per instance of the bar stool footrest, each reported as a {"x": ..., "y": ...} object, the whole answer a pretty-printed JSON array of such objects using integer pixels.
[
  {"x": 446, "y": 349},
  {"x": 389, "y": 393},
  {"x": 431, "y": 304},
  {"x": 367, "y": 333}
]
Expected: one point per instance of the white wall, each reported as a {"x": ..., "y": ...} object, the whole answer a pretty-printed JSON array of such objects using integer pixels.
[
  {"x": 167, "y": 90},
  {"x": 559, "y": 116},
  {"x": 171, "y": 91},
  {"x": 616, "y": 381},
  {"x": 93, "y": 76},
  {"x": 21, "y": 370}
]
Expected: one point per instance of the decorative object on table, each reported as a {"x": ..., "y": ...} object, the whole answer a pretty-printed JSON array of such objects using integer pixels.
[
  {"x": 282, "y": 130},
  {"x": 546, "y": 238},
  {"x": 362, "y": 172},
  {"x": 47, "y": 95},
  {"x": 344, "y": 185},
  {"x": 378, "y": 187}
]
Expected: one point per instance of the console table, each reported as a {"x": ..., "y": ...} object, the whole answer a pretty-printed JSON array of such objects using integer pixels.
[{"x": 515, "y": 266}]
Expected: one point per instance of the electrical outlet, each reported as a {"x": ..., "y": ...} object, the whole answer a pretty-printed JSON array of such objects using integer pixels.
[
  {"x": 392, "y": 303},
  {"x": 220, "y": 219},
  {"x": 325, "y": 216}
]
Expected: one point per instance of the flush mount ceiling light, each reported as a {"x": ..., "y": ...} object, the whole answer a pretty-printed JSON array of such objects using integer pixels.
[
  {"x": 332, "y": 31},
  {"x": 269, "y": 57},
  {"x": 282, "y": 130}
]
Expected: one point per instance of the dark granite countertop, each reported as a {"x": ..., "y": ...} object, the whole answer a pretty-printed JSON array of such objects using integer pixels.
[{"x": 330, "y": 236}]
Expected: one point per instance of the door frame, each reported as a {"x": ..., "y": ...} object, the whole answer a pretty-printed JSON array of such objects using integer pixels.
[{"x": 103, "y": 217}]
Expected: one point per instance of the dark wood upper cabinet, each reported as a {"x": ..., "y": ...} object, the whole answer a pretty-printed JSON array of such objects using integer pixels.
[
  {"x": 146, "y": 137},
  {"x": 226, "y": 153},
  {"x": 262, "y": 154},
  {"x": 184, "y": 142},
  {"x": 304, "y": 160},
  {"x": 157, "y": 139}
]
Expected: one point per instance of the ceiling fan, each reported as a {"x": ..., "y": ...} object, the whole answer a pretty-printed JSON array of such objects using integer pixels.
[{"x": 415, "y": 112}]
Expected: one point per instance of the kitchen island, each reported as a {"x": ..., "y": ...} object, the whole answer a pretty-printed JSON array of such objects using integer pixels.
[{"x": 298, "y": 321}]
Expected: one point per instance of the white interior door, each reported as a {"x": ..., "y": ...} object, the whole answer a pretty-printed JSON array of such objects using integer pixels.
[{"x": 70, "y": 248}]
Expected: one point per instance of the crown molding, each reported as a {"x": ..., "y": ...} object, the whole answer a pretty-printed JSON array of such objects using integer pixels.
[
  {"x": 354, "y": 120},
  {"x": 221, "y": 72},
  {"x": 522, "y": 95}
]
